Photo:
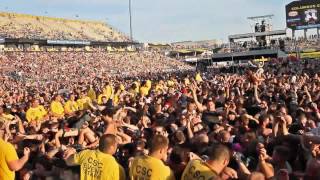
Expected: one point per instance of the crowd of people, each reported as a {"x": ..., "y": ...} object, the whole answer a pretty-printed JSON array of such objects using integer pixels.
[
  {"x": 311, "y": 43},
  {"x": 14, "y": 25},
  {"x": 68, "y": 69},
  {"x": 126, "y": 116}
]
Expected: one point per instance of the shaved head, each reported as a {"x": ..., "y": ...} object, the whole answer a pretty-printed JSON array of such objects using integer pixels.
[{"x": 107, "y": 141}]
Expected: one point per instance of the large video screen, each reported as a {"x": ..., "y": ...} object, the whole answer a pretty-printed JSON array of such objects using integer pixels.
[{"x": 304, "y": 14}]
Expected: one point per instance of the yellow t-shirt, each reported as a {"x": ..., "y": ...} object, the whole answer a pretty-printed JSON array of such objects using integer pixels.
[
  {"x": 71, "y": 106},
  {"x": 7, "y": 154},
  {"x": 147, "y": 167},
  {"x": 198, "y": 77},
  {"x": 92, "y": 94},
  {"x": 95, "y": 165},
  {"x": 144, "y": 91},
  {"x": 107, "y": 91},
  {"x": 122, "y": 88},
  {"x": 148, "y": 84},
  {"x": 197, "y": 169},
  {"x": 83, "y": 103},
  {"x": 36, "y": 114},
  {"x": 57, "y": 108}
]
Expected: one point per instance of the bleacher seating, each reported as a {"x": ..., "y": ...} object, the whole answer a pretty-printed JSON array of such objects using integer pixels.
[
  {"x": 14, "y": 25},
  {"x": 304, "y": 45}
]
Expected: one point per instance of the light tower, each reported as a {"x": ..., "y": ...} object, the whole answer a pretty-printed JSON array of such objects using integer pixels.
[{"x": 130, "y": 15}]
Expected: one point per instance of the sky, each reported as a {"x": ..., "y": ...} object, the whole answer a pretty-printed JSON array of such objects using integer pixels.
[{"x": 161, "y": 20}]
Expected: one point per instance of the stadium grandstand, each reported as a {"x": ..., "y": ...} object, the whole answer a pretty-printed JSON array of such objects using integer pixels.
[
  {"x": 81, "y": 100},
  {"x": 13, "y": 25}
]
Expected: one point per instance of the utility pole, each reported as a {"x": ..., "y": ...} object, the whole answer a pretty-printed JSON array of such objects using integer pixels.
[{"x": 130, "y": 14}]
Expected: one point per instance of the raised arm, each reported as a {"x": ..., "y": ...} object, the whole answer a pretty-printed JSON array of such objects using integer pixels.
[
  {"x": 227, "y": 90},
  {"x": 265, "y": 167},
  {"x": 242, "y": 167},
  {"x": 309, "y": 98},
  {"x": 124, "y": 137},
  {"x": 189, "y": 129},
  {"x": 131, "y": 109},
  {"x": 275, "y": 129},
  {"x": 20, "y": 124},
  {"x": 195, "y": 98},
  {"x": 256, "y": 94}
]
